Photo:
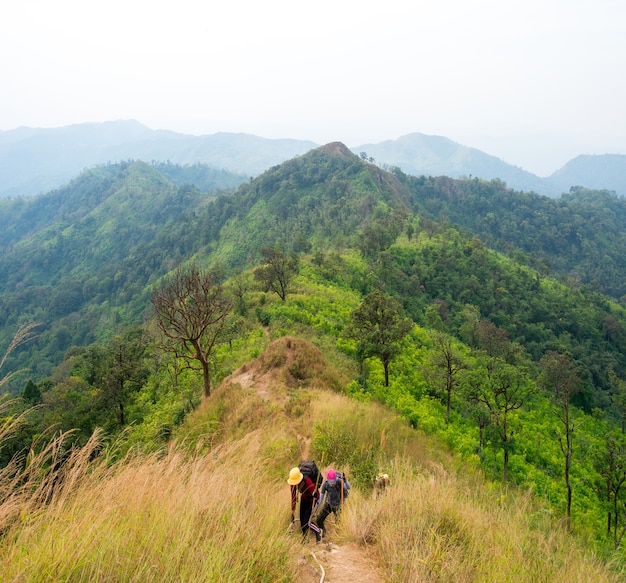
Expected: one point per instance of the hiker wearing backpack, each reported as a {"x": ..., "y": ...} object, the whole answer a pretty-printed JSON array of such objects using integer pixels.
[
  {"x": 306, "y": 484},
  {"x": 381, "y": 484},
  {"x": 334, "y": 492}
]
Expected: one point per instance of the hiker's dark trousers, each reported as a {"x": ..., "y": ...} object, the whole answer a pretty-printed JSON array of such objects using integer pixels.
[
  {"x": 324, "y": 512},
  {"x": 306, "y": 507}
]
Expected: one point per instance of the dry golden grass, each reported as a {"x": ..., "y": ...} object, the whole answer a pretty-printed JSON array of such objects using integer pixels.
[
  {"x": 434, "y": 525},
  {"x": 441, "y": 523},
  {"x": 215, "y": 505},
  {"x": 168, "y": 517}
]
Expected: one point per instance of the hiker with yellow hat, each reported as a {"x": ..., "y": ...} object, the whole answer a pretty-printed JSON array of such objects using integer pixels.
[
  {"x": 381, "y": 484},
  {"x": 307, "y": 487}
]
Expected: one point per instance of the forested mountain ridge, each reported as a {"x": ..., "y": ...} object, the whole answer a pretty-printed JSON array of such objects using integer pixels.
[
  {"x": 95, "y": 220},
  {"x": 82, "y": 194},
  {"x": 323, "y": 199},
  {"x": 579, "y": 237},
  {"x": 93, "y": 246}
]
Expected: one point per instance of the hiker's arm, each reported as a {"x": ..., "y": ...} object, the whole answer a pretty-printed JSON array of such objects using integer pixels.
[
  {"x": 324, "y": 492},
  {"x": 294, "y": 499}
]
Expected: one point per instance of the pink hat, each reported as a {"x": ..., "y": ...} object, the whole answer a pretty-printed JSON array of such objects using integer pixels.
[{"x": 331, "y": 474}]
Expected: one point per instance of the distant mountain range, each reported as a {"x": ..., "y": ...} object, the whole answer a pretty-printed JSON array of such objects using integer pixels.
[{"x": 33, "y": 161}]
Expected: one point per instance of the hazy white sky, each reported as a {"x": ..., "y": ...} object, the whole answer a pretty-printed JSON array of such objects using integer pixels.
[{"x": 534, "y": 82}]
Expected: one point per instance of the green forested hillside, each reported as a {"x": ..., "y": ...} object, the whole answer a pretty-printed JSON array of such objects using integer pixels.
[
  {"x": 579, "y": 237},
  {"x": 319, "y": 201},
  {"x": 478, "y": 368},
  {"x": 80, "y": 258},
  {"x": 93, "y": 247}
]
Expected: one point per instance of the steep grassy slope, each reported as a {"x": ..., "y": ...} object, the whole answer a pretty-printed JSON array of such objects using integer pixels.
[{"x": 214, "y": 504}]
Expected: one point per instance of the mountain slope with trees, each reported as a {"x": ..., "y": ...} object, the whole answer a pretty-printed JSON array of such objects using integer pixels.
[
  {"x": 320, "y": 200},
  {"x": 82, "y": 257},
  {"x": 521, "y": 376},
  {"x": 579, "y": 237},
  {"x": 96, "y": 244}
]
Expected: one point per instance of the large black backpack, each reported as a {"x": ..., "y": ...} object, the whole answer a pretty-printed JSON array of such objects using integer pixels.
[{"x": 309, "y": 468}]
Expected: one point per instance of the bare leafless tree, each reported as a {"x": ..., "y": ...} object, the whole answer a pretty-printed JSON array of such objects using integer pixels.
[{"x": 192, "y": 311}]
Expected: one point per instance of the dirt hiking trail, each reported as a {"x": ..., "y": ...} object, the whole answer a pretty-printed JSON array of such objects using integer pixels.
[
  {"x": 324, "y": 562},
  {"x": 330, "y": 563}
]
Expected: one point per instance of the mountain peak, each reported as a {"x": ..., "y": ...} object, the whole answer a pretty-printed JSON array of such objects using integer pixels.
[{"x": 337, "y": 149}]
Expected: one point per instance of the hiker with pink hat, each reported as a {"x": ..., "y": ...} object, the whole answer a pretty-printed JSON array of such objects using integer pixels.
[{"x": 333, "y": 494}]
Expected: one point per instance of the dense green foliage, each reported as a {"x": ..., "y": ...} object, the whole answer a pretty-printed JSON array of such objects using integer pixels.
[
  {"x": 377, "y": 327},
  {"x": 202, "y": 176},
  {"x": 579, "y": 237},
  {"x": 80, "y": 260},
  {"x": 537, "y": 312}
]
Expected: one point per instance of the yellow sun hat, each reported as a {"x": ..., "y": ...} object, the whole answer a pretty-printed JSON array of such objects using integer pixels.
[{"x": 295, "y": 476}]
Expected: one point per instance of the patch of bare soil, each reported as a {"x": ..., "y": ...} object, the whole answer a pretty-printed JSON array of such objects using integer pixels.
[
  {"x": 346, "y": 562},
  {"x": 248, "y": 378}
]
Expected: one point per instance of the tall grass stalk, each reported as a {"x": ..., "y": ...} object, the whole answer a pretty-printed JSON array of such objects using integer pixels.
[
  {"x": 167, "y": 517},
  {"x": 24, "y": 333}
]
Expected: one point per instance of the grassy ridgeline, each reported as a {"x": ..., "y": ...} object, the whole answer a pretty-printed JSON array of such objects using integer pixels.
[{"x": 215, "y": 506}]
